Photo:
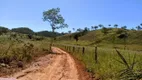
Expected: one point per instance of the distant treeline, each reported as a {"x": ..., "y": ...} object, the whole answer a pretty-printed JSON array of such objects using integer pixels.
[{"x": 26, "y": 30}]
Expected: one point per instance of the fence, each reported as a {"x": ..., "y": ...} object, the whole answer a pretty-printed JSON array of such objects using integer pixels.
[{"x": 77, "y": 49}]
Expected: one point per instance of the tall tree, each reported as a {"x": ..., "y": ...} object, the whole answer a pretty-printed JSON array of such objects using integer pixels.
[{"x": 55, "y": 20}]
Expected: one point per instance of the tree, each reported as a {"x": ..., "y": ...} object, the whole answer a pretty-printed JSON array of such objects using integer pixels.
[
  {"x": 80, "y": 33},
  {"x": 73, "y": 29},
  {"x": 76, "y": 37},
  {"x": 95, "y": 27},
  {"x": 124, "y": 27},
  {"x": 92, "y": 27},
  {"x": 141, "y": 24},
  {"x": 133, "y": 29},
  {"x": 115, "y": 25},
  {"x": 86, "y": 29},
  {"x": 69, "y": 32},
  {"x": 138, "y": 28},
  {"x": 109, "y": 25},
  {"x": 100, "y": 25},
  {"x": 123, "y": 36},
  {"x": 55, "y": 20},
  {"x": 105, "y": 30},
  {"x": 48, "y": 34},
  {"x": 62, "y": 33},
  {"x": 23, "y": 30},
  {"x": 3, "y": 30},
  {"x": 79, "y": 30}
]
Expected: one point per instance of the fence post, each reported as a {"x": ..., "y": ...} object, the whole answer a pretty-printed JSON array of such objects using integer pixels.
[
  {"x": 73, "y": 49},
  {"x": 78, "y": 49},
  {"x": 69, "y": 48},
  {"x": 83, "y": 50},
  {"x": 96, "y": 55}
]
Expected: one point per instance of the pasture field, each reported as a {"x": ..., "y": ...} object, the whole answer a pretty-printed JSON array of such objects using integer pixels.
[
  {"x": 101, "y": 59},
  {"x": 110, "y": 65},
  {"x": 16, "y": 52}
]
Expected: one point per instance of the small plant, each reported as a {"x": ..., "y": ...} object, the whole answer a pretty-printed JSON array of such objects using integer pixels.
[{"x": 128, "y": 73}]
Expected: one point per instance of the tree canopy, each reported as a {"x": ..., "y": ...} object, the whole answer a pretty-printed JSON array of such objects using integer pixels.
[
  {"x": 23, "y": 30},
  {"x": 55, "y": 19},
  {"x": 3, "y": 30},
  {"x": 48, "y": 34}
]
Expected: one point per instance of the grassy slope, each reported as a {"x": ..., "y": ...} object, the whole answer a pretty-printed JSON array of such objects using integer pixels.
[
  {"x": 19, "y": 49},
  {"x": 93, "y": 38},
  {"x": 109, "y": 66}
]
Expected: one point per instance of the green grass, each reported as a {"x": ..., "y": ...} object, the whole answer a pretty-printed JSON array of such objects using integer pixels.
[
  {"x": 23, "y": 49},
  {"x": 110, "y": 63},
  {"x": 133, "y": 47},
  {"x": 108, "y": 66},
  {"x": 96, "y": 37},
  {"x": 19, "y": 49}
]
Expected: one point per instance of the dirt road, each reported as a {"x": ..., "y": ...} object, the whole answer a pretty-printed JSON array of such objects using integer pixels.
[{"x": 60, "y": 66}]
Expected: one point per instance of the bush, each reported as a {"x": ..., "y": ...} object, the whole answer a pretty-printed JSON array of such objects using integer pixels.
[
  {"x": 23, "y": 53},
  {"x": 105, "y": 30},
  {"x": 3, "y": 30}
]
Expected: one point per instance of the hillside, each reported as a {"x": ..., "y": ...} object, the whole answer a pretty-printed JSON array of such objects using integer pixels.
[
  {"x": 105, "y": 37},
  {"x": 26, "y": 30}
]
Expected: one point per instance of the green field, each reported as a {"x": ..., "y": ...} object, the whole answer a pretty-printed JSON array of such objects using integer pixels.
[
  {"x": 125, "y": 64},
  {"x": 111, "y": 65},
  {"x": 17, "y": 52}
]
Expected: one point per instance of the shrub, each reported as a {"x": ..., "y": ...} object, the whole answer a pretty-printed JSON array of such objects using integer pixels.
[
  {"x": 129, "y": 73},
  {"x": 3, "y": 30}
]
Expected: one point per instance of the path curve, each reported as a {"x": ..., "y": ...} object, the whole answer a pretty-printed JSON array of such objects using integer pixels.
[{"x": 60, "y": 67}]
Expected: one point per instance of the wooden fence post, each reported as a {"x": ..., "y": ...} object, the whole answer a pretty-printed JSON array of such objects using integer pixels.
[
  {"x": 78, "y": 49},
  {"x": 83, "y": 50},
  {"x": 68, "y": 48},
  {"x": 96, "y": 55},
  {"x": 73, "y": 49}
]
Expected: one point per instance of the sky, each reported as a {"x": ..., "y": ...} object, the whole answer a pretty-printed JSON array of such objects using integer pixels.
[{"x": 77, "y": 13}]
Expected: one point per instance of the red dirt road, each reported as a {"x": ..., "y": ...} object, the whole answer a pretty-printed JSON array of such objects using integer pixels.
[{"x": 60, "y": 66}]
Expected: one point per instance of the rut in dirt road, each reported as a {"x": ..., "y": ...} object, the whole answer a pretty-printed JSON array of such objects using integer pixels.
[{"x": 61, "y": 67}]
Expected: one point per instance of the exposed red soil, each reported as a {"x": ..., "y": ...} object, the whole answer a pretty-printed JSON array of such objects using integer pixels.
[{"x": 59, "y": 66}]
